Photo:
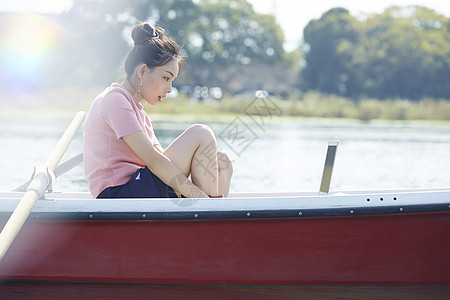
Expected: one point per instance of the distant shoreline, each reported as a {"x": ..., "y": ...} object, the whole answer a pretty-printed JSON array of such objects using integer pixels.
[
  {"x": 309, "y": 107},
  {"x": 161, "y": 120}
]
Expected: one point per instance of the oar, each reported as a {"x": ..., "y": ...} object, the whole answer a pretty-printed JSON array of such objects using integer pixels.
[
  {"x": 60, "y": 170},
  {"x": 37, "y": 186},
  {"x": 68, "y": 165}
]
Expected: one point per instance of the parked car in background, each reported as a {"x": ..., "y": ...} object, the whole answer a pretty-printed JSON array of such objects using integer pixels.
[{"x": 201, "y": 93}]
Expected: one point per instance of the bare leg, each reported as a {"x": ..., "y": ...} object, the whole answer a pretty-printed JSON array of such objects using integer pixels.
[
  {"x": 194, "y": 153},
  {"x": 225, "y": 173}
]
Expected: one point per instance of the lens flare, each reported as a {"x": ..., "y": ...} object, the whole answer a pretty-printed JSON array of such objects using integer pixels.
[{"x": 28, "y": 42}]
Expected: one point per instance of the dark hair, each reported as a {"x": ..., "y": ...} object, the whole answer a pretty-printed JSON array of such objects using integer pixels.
[{"x": 152, "y": 47}]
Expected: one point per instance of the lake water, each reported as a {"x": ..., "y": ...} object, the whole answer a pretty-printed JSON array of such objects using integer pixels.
[
  {"x": 267, "y": 156},
  {"x": 278, "y": 156}
]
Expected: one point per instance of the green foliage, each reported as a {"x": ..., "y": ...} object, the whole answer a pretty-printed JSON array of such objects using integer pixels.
[
  {"x": 226, "y": 42},
  {"x": 403, "y": 52},
  {"x": 92, "y": 48},
  {"x": 177, "y": 17},
  {"x": 311, "y": 105},
  {"x": 229, "y": 38},
  {"x": 330, "y": 41},
  {"x": 221, "y": 38},
  {"x": 237, "y": 34}
]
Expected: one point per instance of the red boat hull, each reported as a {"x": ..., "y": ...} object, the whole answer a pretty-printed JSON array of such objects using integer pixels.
[{"x": 393, "y": 249}]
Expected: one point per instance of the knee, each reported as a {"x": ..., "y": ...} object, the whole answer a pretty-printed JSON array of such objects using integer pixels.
[
  {"x": 224, "y": 163},
  {"x": 203, "y": 132}
]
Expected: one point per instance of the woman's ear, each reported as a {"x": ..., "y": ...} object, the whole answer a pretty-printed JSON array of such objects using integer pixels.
[{"x": 140, "y": 70}]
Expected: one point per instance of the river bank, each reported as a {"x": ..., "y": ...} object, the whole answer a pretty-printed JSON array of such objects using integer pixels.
[{"x": 309, "y": 106}]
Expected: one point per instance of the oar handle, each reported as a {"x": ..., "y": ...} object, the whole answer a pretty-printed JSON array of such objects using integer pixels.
[
  {"x": 37, "y": 186},
  {"x": 64, "y": 141}
]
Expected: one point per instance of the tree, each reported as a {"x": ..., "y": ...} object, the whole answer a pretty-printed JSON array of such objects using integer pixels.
[
  {"x": 227, "y": 43},
  {"x": 403, "y": 52},
  {"x": 406, "y": 54},
  {"x": 221, "y": 44},
  {"x": 177, "y": 17},
  {"x": 223, "y": 40},
  {"x": 93, "y": 49},
  {"x": 329, "y": 42}
]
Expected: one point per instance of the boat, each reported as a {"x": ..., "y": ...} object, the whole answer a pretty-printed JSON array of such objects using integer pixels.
[
  {"x": 346, "y": 238},
  {"x": 390, "y": 237}
]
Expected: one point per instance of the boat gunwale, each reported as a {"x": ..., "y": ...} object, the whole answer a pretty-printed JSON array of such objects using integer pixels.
[
  {"x": 78, "y": 206},
  {"x": 238, "y": 214}
]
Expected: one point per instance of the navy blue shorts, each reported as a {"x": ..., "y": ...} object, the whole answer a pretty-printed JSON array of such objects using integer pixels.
[{"x": 143, "y": 184}]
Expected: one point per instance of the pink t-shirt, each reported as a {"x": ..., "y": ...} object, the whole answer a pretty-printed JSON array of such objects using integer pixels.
[{"x": 108, "y": 160}]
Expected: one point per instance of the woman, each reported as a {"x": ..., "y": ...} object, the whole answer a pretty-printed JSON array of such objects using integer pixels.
[{"x": 122, "y": 156}]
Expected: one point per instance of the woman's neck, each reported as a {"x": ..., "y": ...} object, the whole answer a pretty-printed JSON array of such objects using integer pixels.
[{"x": 130, "y": 88}]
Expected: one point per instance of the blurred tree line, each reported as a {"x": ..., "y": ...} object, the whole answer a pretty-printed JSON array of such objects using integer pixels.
[
  {"x": 403, "y": 52},
  {"x": 227, "y": 43}
]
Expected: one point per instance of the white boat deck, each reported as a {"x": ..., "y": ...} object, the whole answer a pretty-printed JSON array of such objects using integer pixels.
[{"x": 83, "y": 202}]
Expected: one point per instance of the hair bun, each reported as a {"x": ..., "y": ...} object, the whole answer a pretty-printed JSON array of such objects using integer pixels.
[{"x": 143, "y": 32}]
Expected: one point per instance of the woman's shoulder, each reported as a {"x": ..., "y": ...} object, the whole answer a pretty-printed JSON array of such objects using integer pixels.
[
  {"x": 117, "y": 91},
  {"x": 115, "y": 94},
  {"x": 113, "y": 101}
]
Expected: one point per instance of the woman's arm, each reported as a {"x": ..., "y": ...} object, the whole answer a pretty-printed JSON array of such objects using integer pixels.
[
  {"x": 161, "y": 166},
  {"x": 159, "y": 148}
]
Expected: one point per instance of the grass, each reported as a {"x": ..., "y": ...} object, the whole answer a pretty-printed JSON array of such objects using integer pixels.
[{"x": 310, "y": 105}]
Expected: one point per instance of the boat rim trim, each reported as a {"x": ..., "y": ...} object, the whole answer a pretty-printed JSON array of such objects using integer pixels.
[{"x": 238, "y": 214}]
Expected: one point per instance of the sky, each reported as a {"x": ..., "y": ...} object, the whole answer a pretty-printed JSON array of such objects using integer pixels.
[
  {"x": 36, "y": 6},
  {"x": 292, "y": 15}
]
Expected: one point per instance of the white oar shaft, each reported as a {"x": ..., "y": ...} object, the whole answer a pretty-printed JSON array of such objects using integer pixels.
[
  {"x": 37, "y": 187},
  {"x": 16, "y": 220},
  {"x": 68, "y": 165},
  {"x": 64, "y": 141}
]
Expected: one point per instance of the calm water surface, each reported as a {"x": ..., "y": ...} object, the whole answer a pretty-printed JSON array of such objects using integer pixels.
[{"x": 283, "y": 156}]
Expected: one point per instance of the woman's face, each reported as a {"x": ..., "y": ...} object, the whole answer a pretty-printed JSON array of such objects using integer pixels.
[{"x": 157, "y": 82}]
